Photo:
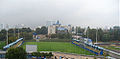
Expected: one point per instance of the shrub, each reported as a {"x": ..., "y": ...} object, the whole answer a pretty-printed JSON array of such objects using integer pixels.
[{"x": 16, "y": 53}]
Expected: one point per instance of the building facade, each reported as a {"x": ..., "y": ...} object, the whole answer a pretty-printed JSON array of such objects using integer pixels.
[
  {"x": 51, "y": 29},
  {"x": 58, "y": 28}
]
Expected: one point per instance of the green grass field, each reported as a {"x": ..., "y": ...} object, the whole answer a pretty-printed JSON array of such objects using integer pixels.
[{"x": 58, "y": 47}]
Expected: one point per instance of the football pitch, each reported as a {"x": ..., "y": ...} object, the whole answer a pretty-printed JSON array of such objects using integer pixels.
[{"x": 66, "y": 47}]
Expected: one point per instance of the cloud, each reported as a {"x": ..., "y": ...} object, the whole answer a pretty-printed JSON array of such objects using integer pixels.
[{"x": 93, "y": 13}]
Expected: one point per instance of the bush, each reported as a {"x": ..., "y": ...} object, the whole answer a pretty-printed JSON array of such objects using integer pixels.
[
  {"x": 53, "y": 36},
  {"x": 16, "y": 53},
  {"x": 38, "y": 54},
  {"x": 62, "y": 36}
]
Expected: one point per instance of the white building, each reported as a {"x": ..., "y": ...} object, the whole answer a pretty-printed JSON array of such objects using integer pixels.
[
  {"x": 57, "y": 28},
  {"x": 51, "y": 29}
]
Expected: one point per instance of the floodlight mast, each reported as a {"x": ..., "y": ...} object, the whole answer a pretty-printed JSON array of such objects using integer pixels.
[
  {"x": 77, "y": 33},
  {"x": 15, "y": 32},
  {"x": 18, "y": 31},
  {"x": 7, "y": 27},
  {"x": 96, "y": 35}
]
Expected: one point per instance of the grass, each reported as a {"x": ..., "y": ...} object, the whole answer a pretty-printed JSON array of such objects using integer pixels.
[
  {"x": 58, "y": 47},
  {"x": 2, "y": 43}
]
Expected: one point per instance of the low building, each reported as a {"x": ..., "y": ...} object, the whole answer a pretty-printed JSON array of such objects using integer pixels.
[
  {"x": 58, "y": 28},
  {"x": 62, "y": 30}
]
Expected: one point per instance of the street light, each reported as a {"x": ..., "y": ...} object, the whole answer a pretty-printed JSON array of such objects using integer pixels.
[{"x": 7, "y": 27}]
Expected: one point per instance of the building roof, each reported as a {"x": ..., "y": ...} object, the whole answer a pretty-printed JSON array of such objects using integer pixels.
[
  {"x": 57, "y": 23},
  {"x": 61, "y": 28}
]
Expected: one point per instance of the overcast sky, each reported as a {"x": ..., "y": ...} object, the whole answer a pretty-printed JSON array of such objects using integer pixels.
[{"x": 94, "y": 13}]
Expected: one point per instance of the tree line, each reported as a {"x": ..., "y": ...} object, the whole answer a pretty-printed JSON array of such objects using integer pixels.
[
  {"x": 25, "y": 33},
  {"x": 104, "y": 35},
  {"x": 112, "y": 34}
]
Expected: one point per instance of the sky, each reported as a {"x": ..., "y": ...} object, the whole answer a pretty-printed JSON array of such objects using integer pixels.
[{"x": 93, "y": 13}]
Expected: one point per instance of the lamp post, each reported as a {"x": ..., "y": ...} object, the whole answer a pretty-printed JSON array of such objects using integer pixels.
[
  {"x": 7, "y": 27},
  {"x": 18, "y": 31}
]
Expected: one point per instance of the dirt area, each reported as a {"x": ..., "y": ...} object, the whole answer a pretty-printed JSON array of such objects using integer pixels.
[{"x": 74, "y": 56}]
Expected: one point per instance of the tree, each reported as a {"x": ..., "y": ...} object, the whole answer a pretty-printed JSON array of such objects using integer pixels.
[
  {"x": 43, "y": 30},
  {"x": 2, "y": 37},
  {"x": 3, "y": 31},
  {"x": 11, "y": 31},
  {"x": 16, "y": 53},
  {"x": 68, "y": 36},
  {"x": 106, "y": 37},
  {"x": 53, "y": 36},
  {"x": 26, "y": 36},
  {"x": 88, "y": 32},
  {"x": 61, "y": 36},
  {"x": 73, "y": 29},
  {"x": 12, "y": 39},
  {"x": 25, "y": 30},
  {"x": 92, "y": 34},
  {"x": 79, "y": 31},
  {"x": 38, "y": 31},
  {"x": 100, "y": 34},
  {"x": 3, "y": 34},
  {"x": 38, "y": 54}
]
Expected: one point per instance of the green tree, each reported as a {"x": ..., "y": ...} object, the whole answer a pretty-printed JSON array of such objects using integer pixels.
[
  {"x": 88, "y": 32},
  {"x": 11, "y": 31},
  {"x": 53, "y": 36},
  {"x": 64, "y": 36},
  {"x": 43, "y": 30},
  {"x": 38, "y": 31},
  {"x": 16, "y": 53},
  {"x": 79, "y": 31},
  {"x": 38, "y": 54},
  {"x": 3, "y": 35},
  {"x": 3, "y": 31},
  {"x": 12, "y": 39},
  {"x": 26, "y": 36},
  {"x": 92, "y": 34},
  {"x": 25, "y": 30},
  {"x": 100, "y": 34},
  {"x": 106, "y": 37}
]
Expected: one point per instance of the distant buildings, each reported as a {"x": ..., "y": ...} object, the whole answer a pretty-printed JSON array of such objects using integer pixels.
[
  {"x": 1, "y": 26},
  {"x": 58, "y": 28},
  {"x": 116, "y": 27},
  {"x": 49, "y": 23}
]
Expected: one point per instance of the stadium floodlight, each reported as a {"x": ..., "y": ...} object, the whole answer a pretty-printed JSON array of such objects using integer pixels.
[
  {"x": 18, "y": 31},
  {"x": 96, "y": 35},
  {"x": 7, "y": 28}
]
